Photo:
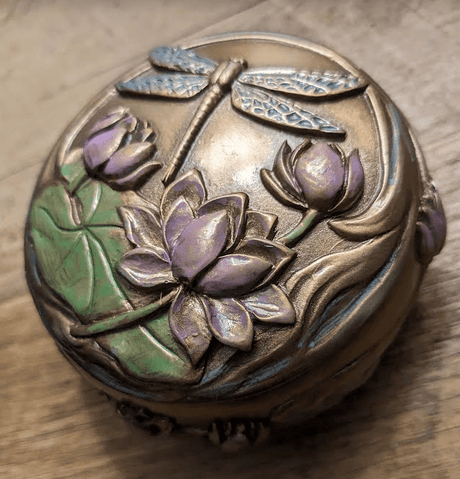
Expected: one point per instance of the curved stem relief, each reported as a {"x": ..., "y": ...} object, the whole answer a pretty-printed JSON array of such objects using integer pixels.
[
  {"x": 308, "y": 221},
  {"x": 122, "y": 320}
]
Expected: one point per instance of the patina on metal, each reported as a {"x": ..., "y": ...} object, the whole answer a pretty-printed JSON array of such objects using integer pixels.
[{"x": 230, "y": 236}]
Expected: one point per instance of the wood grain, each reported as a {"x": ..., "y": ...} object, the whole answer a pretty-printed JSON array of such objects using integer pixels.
[{"x": 405, "y": 422}]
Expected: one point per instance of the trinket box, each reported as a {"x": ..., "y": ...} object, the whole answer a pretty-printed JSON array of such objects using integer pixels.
[{"x": 229, "y": 237}]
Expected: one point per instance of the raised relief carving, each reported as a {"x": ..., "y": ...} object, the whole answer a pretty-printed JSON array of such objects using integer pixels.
[
  {"x": 431, "y": 225},
  {"x": 251, "y": 92},
  {"x": 177, "y": 296},
  {"x": 316, "y": 178},
  {"x": 120, "y": 149},
  {"x": 215, "y": 257}
]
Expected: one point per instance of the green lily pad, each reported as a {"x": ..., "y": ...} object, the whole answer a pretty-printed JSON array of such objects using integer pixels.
[
  {"x": 149, "y": 351},
  {"x": 79, "y": 241}
]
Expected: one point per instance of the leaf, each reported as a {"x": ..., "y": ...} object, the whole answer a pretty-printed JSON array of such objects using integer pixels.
[
  {"x": 106, "y": 293},
  {"x": 397, "y": 186},
  {"x": 315, "y": 286},
  {"x": 56, "y": 205},
  {"x": 99, "y": 204},
  {"x": 112, "y": 242},
  {"x": 79, "y": 242},
  {"x": 150, "y": 352},
  {"x": 76, "y": 258},
  {"x": 73, "y": 171}
]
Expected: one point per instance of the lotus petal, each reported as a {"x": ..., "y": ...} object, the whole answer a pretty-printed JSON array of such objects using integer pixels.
[
  {"x": 278, "y": 255},
  {"x": 142, "y": 226},
  {"x": 354, "y": 183},
  {"x": 129, "y": 122},
  {"x": 125, "y": 160},
  {"x": 277, "y": 191},
  {"x": 320, "y": 173},
  {"x": 199, "y": 245},
  {"x": 235, "y": 206},
  {"x": 137, "y": 177},
  {"x": 190, "y": 186},
  {"x": 260, "y": 225},
  {"x": 234, "y": 275},
  {"x": 229, "y": 322},
  {"x": 299, "y": 151},
  {"x": 282, "y": 168},
  {"x": 179, "y": 216},
  {"x": 431, "y": 228},
  {"x": 436, "y": 221},
  {"x": 107, "y": 121},
  {"x": 270, "y": 305},
  {"x": 146, "y": 134},
  {"x": 100, "y": 147},
  {"x": 146, "y": 268},
  {"x": 426, "y": 242},
  {"x": 187, "y": 319}
]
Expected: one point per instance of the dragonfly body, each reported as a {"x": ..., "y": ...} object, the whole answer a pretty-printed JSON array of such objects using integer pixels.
[
  {"x": 220, "y": 81},
  {"x": 251, "y": 93}
]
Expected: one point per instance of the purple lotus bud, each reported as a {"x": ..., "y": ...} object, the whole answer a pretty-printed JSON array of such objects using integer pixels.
[
  {"x": 119, "y": 150},
  {"x": 353, "y": 184},
  {"x": 431, "y": 226},
  {"x": 320, "y": 173},
  {"x": 316, "y": 176}
]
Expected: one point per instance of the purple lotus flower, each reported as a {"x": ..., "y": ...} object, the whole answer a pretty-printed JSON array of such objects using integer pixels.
[
  {"x": 219, "y": 257},
  {"x": 317, "y": 176},
  {"x": 119, "y": 150}
]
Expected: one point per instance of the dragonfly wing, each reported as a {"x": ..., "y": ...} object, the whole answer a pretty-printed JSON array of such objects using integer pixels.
[
  {"x": 280, "y": 111},
  {"x": 312, "y": 84},
  {"x": 174, "y": 85},
  {"x": 181, "y": 60}
]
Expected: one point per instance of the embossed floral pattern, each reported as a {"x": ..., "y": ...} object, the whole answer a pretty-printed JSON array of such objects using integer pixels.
[
  {"x": 316, "y": 178},
  {"x": 220, "y": 258},
  {"x": 119, "y": 150}
]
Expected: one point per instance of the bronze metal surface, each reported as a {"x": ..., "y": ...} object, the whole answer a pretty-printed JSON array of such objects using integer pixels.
[{"x": 257, "y": 208}]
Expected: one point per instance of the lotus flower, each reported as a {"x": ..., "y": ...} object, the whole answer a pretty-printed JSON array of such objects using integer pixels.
[
  {"x": 119, "y": 150},
  {"x": 219, "y": 257},
  {"x": 317, "y": 179}
]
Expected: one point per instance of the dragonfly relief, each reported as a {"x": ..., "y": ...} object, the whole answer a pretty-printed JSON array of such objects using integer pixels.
[{"x": 251, "y": 92}]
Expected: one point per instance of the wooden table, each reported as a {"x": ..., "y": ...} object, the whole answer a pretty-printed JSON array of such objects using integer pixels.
[{"x": 405, "y": 422}]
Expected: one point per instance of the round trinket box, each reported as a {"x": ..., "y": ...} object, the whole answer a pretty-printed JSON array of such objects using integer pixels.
[{"x": 229, "y": 236}]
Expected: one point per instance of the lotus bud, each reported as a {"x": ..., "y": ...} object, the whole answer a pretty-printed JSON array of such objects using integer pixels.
[
  {"x": 316, "y": 176},
  {"x": 119, "y": 150},
  {"x": 431, "y": 226}
]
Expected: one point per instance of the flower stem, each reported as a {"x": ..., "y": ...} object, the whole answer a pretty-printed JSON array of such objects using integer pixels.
[
  {"x": 122, "y": 320},
  {"x": 309, "y": 220}
]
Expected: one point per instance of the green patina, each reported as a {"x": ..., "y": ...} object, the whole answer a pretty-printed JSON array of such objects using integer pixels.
[
  {"x": 79, "y": 240},
  {"x": 309, "y": 219},
  {"x": 150, "y": 351}
]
